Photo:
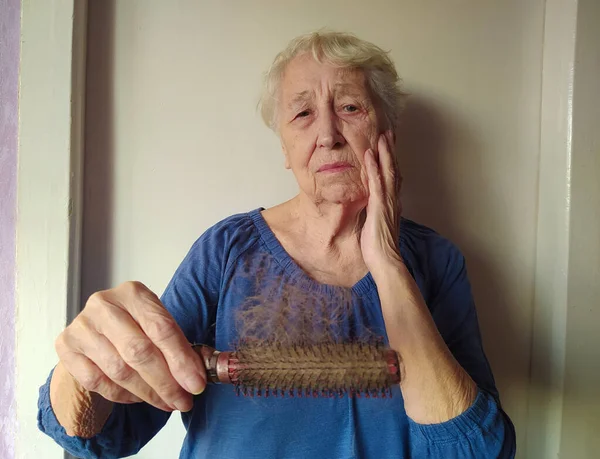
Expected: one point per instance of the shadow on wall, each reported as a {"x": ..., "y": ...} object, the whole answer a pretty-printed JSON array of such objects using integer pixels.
[
  {"x": 99, "y": 149},
  {"x": 430, "y": 141}
]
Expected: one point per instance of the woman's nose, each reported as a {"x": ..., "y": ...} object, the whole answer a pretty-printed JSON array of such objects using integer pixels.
[{"x": 330, "y": 136}]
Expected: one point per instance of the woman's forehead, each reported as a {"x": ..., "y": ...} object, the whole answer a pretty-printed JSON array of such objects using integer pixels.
[{"x": 304, "y": 76}]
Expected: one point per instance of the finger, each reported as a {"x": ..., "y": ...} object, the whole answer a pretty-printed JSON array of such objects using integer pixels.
[
  {"x": 156, "y": 322},
  {"x": 391, "y": 137},
  {"x": 387, "y": 164},
  {"x": 184, "y": 364},
  {"x": 92, "y": 379},
  {"x": 373, "y": 175},
  {"x": 140, "y": 353},
  {"x": 105, "y": 356}
]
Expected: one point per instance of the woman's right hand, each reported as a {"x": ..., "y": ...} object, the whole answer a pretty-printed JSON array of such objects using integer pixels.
[{"x": 126, "y": 347}]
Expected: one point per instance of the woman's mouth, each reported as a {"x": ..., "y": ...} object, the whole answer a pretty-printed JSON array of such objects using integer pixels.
[{"x": 338, "y": 166}]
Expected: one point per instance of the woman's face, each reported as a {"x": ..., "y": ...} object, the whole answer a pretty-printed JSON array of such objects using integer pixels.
[{"x": 327, "y": 120}]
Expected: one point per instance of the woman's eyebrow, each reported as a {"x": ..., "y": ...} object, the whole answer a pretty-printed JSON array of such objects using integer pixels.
[
  {"x": 340, "y": 89},
  {"x": 348, "y": 89},
  {"x": 299, "y": 98}
]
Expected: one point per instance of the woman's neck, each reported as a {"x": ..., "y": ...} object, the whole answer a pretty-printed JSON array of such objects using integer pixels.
[
  {"x": 324, "y": 240},
  {"x": 330, "y": 225}
]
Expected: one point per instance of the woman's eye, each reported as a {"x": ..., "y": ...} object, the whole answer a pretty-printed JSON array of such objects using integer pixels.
[
  {"x": 303, "y": 114},
  {"x": 350, "y": 108}
]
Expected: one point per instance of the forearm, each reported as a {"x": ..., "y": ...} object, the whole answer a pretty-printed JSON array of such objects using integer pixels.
[
  {"x": 434, "y": 385},
  {"x": 81, "y": 413}
]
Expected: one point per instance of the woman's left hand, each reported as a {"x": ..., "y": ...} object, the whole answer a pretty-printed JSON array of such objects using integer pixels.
[
  {"x": 435, "y": 388},
  {"x": 379, "y": 237}
]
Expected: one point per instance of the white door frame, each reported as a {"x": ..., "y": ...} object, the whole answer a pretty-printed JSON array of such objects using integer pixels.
[
  {"x": 50, "y": 179},
  {"x": 50, "y": 160},
  {"x": 546, "y": 385}
]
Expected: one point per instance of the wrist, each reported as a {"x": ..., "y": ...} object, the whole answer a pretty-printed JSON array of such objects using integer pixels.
[
  {"x": 389, "y": 267},
  {"x": 80, "y": 412}
]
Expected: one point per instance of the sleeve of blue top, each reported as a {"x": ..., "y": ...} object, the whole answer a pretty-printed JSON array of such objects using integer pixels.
[
  {"x": 190, "y": 297},
  {"x": 484, "y": 430}
]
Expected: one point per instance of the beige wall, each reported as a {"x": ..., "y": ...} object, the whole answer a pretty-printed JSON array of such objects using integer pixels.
[{"x": 173, "y": 142}]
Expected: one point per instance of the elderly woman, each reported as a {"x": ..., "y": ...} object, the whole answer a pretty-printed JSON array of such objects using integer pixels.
[{"x": 126, "y": 363}]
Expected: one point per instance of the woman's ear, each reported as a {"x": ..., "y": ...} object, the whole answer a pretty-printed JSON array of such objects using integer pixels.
[{"x": 286, "y": 156}]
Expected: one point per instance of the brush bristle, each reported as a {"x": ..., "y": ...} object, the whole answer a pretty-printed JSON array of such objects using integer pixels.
[{"x": 316, "y": 370}]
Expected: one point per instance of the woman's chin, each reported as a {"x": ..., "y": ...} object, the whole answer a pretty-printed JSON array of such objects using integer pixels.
[{"x": 345, "y": 195}]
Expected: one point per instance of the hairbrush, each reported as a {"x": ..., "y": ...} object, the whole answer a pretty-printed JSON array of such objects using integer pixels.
[{"x": 317, "y": 370}]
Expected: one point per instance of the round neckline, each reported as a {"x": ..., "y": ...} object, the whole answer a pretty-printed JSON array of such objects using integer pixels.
[{"x": 363, "y": 286}]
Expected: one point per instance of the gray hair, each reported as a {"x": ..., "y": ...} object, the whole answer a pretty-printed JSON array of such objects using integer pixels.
[{"x": 343, "y": 50}]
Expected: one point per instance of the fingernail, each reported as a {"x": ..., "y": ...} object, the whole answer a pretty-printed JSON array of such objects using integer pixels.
[
  {"x": 195, "y": 384},
  {"x": 200, "y": 391}
]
